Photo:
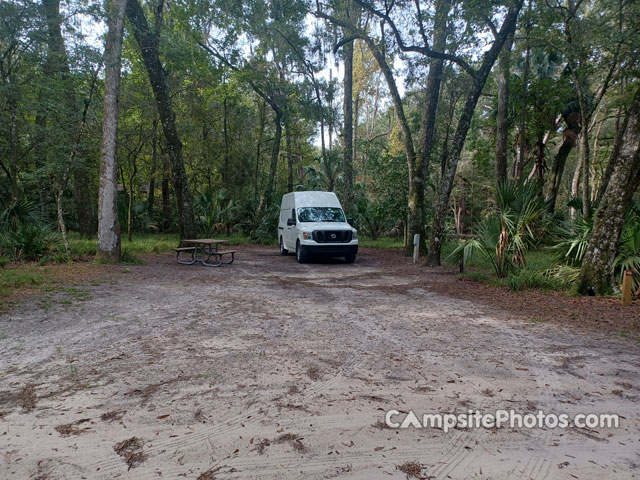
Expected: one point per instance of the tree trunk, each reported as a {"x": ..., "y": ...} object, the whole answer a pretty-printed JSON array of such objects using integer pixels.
[
  {"x": 288, "y": 135},
  {"x": 428, "y": 128},
  {"x": 575, "y": 185},
  {"x": 265, "y": 198},
  {"x": 148, "y": 43},
  {"x": 596, "y": 271},
  {"x": 479, "y": 80},
  {"x": 356, "y": 116},
  {"x": 108, "y": 226},
  {"x": 617, "y": 144},
  {"x": 166, "y": 194},
  {"x": 414, "y": 217},
  {"x": 151, "y": 195},
  {"x": 585, "y": 155},
  {"x": 256, "y": 186},
  {"x": 61, "y": 224},
  {"x": 347, "y": 169},
  {"x": 226, "y": 164},
  {"x": 502, "y": 124},
  {"x": 559, "y": 161},
  {"x": 132, "y": 176},
  {"x": 522, "y": 160}
]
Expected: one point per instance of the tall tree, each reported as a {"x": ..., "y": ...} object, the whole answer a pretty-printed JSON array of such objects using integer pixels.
[
  {"x": 108, "y": 225},
  {"x": 596, "y": 270},
  {"x": 347, "y": 132},
  {"x": 479, "y": 79},
  {"x": 502, "y": 124},
  {"x": 429, "y": 110},
  {"x": 148, "y": 41},
  {"x": 57, "y": 67}
]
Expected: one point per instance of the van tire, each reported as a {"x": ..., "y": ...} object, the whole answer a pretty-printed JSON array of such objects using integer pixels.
[
  {"x": 283, "y": 251},
  {"x": 350, "y": 258},
  {"x": 301, "y": 256}
]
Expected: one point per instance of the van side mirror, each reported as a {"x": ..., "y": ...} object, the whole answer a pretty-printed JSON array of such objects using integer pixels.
[
  {"x": 291, "y": 221},
  {"x": 350, "y": 221}
]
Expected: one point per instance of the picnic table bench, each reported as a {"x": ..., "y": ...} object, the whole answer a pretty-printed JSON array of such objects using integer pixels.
[{"x": 208, "y": 247}]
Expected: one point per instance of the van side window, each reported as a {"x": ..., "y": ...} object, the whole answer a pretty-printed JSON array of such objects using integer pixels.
[{"x": 293, "y": 215}]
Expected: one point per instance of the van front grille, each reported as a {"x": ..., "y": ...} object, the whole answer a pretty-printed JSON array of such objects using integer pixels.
[{"x": 332, "y": 236}]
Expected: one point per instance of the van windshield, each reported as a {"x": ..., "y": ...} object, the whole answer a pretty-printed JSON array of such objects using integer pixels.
[{"x": 320, "y": 214}]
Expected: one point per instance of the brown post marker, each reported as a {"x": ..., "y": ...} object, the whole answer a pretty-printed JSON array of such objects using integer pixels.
[{"x": 626, "y": 287}]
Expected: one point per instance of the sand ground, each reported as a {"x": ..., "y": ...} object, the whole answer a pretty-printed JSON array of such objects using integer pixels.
[{"x": 271, "y": 369}]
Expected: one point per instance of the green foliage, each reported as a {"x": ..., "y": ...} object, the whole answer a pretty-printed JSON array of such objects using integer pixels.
[
  {"x": 18, "y": 213},
  {"x": 505, "y": 237},
  {"x": 628, "y": 257},
  {"x": 216, "y": 213},
  {"x": 11, "y": 279},
  {"x": 563, "y": 275},
  {"x": 524, "y": 278},
  {"x": 572, "y": 240},
  {"x": 267, "y": 226},
  {"x": 129, "y": 258},
  {"x": 29, "y": 241}
]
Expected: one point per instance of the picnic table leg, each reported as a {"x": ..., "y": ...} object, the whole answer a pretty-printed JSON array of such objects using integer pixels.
[
  {"x": 209, "y": 253},
  {"x": 228, "y": 263},
  {"x": 193, "y": 258}
]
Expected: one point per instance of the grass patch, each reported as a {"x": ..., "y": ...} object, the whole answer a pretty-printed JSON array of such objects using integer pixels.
[
  {"x": 381, "y": 242},
  {"x": 11, "y": 280},
  {"x": 534, "y": 275},
  {"x": 143, "y": 243},
  {"x": 526, "y": 278}
]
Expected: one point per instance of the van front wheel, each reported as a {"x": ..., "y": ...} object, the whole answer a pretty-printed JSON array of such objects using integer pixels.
[
  {"x": 350, "y": 258},
  {"x": 300, "y": 253},
  {"x": 283, "y": 251}
]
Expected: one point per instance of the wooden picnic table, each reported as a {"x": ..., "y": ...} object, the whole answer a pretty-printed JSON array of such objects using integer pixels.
[{"x": 209, "y": 246}]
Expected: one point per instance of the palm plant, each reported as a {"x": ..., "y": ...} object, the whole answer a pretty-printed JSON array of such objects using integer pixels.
[
  {"x": 504, "y": 237},
  {"x": 628, "y": 257},
  {"x": 572, "y": 240}
]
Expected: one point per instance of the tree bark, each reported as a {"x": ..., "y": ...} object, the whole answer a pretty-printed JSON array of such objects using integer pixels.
[
  {"x": 265, "y": 198},
  {"x": 288, "y": 137},
  {"x": 479, "y": 80},
  {"x": 569, "y": 138},
  {"x": 108, "y": 225},
  {"x": 226, "y": 163},
  {"x": 617, "y": 144},
  {"x": 596, "y": 270},
  {"x": 166, "y": 194},
  {"x": 151, "y": 195},
  {"x": 522, "y": 160},
  {"x": 348, "y": 127},
  {"x": 428, "y": 125},
  {"x": 502, "y": 124},
  {"x": 148, "y": 43}
]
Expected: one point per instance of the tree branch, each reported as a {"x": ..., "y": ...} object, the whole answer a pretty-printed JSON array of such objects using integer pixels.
[{"x": 424, "y": 50}]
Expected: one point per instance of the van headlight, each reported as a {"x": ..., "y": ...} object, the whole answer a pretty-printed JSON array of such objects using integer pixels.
[
  {"x": 307, "y": 235},
  {"x": 354, "y": 235}
]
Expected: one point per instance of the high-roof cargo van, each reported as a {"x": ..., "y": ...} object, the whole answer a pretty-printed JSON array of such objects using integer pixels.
[{"x": 313, "y": 223}]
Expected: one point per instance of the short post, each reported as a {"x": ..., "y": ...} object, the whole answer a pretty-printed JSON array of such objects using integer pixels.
[
  {"x": 416, "y": 247},
  {"x": 627, "y": 280}
]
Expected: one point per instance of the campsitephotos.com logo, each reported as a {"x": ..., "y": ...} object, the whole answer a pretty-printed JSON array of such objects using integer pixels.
[{"x": 500, "y": 419}]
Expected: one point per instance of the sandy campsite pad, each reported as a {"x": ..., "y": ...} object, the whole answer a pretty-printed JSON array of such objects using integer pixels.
[{"x": 271, "y": 369}]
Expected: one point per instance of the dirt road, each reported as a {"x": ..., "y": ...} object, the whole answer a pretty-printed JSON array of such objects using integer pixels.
[{"x": 271, "y": 369}]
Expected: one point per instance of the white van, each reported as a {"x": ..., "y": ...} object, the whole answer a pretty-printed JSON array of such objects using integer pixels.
[{"x": 313, "y": 223}]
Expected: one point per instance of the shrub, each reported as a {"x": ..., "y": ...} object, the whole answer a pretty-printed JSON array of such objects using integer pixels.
[
  {"x": 29, "y": 241},
  {"x": 525, "y": 278},
  {"x": 563, "y": 275},
  {"x": 504, "y": 238}
]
